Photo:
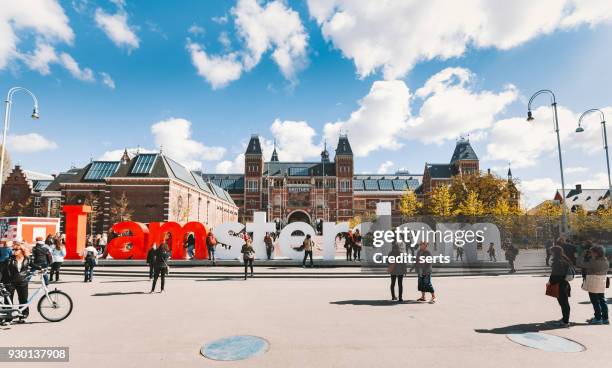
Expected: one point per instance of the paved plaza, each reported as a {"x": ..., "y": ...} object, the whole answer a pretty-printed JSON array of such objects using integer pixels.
[{"x": 312, "y": 322}]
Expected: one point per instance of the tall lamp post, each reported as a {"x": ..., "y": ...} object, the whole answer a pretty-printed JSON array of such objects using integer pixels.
[
  {"x": 7, "y": 117},
  {"x": 553, "y": 103},
  {"x": 580, "y": 129}
]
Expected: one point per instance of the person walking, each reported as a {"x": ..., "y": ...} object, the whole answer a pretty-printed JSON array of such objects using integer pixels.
[
  {"x": 459, "y": 253},
  {"x": 151, "y": 260},
  {"x": 14, "y": 275},
  {"x": 57, "y": 257},
  {"x": 41, "y": 256},
  {"x": 162, "y": 254},
  {"x": 103, "y": 242},
  {"x": 211, "y": 245},
  {"x": 396, "y": 271},
  {"x": 511, "y": 253},
  {"x": 348, "y": 245},
  {"x": 190, "y": 245},
  {"x": 595, "y": 283},
  {"x": 269, "y": 245},
  {"x": 491, "y": 252},
  {"x": 561, "y": 271},
  {"x": 308, "y": 245},
  {"x": 357, "y": 243},
  {"x": 248, "y": 255},
  {"x": 424, "y": 269},
  {"x": 90, "y": 258}
]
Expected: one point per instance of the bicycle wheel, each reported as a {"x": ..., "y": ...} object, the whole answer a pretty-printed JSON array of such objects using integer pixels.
[{"x": 56, "y": 307}]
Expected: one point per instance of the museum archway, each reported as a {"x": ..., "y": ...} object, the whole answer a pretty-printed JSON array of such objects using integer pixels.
[{"x": 298, "y": 216}]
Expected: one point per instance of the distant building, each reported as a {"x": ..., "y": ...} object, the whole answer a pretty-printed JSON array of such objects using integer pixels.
[
  {"x": 149, "y": 187},
  {"x": 328, "y": 190},
  {"x": 589, "y": 199},
  {"x": 22, "y": 194}
]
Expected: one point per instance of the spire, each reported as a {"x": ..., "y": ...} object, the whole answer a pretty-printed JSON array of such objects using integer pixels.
[
  {"x": 509, "y": 172},
  {"x": 125, "y": 158},
  {"x": 274, "y": 157},
  {"x": 325, "y": 154}
]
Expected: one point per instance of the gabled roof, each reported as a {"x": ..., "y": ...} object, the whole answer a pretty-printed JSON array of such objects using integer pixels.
[
  {"x": 589, "y": 199},
  {"x": 463, "y": 151}
]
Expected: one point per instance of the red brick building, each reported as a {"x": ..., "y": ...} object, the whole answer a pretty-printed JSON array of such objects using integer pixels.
[
  {"x": 149, "y": 187},
  {"x": 311, "y": 192},
  {"x": 23, "y": 194}
]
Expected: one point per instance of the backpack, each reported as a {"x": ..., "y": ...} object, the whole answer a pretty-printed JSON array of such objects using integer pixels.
[{"x": 90, "y": 257}]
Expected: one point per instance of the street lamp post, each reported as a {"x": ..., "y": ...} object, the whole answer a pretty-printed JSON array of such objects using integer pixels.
[
  {"x": 580, "y": 129},
  {"x": 7, "y": 117},
  {"x": 553, "y": 103}
]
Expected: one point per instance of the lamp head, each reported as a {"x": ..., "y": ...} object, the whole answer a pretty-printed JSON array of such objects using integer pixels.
[
  {"x": 35, "y": 114},
  {"x": 579, "y": 129},
  {"x": 529, "y": 116}
]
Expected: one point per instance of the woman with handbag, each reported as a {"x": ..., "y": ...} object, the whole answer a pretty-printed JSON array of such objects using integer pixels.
[
  {"x": 162, "y": 254},
  {"x": 595, "y": 283},
  {"x": 397, "y": 271},
  {"x": 248, "y": 255},
  {"x": 558, "y": 285}
]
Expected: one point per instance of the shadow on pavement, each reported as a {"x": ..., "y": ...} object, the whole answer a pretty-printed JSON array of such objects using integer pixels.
[
  {"x": 222, "y": 279},
  {"x": 374, "y": 303},
  {"x": 589, "y": 302},
  {"x": 115, "y": 281},
  {"x": 527, "y": 327},
  {"x": 113, "y": 293}
]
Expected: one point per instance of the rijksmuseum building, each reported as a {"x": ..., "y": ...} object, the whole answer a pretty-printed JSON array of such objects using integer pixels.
[
  {"x": 327, "y": 190},
  {"x": 152, "y": 187}
]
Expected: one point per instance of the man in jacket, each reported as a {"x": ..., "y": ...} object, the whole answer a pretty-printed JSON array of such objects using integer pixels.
[
  {"x": 41, "y": 256},
  {"x": 151, "y": 261}
]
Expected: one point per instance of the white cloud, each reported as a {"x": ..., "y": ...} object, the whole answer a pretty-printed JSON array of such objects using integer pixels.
[
  {"x": 107, "y": 80},
  {"x": 514, "y": 139},
  {"x": 234, "y": 166},
  {"x": 380, "y": 121},
  {"x": 115, "y": 155},
  {"x": 196, "y": 30},
  {"x": 595, "y": 181},
  {"x": 576, "y": 170},
  {"x": 174, "y": 135},
  {"x": 534, "y": 192},
  {"x": 452, "y": 108},
  {"x": 116, "y": 27},
  {"x": 224, "y": 40},
  {"x": 73, "y": 67},
  {"x": 394, "y": 35},
  {"x": 219, "y": 71},
  {"x": 29, "y": 143},
  {"x": 44, "y": 18},
  {"x": 294, "y": 141},
  {"x": 220, "y": 20},
  {"x": 385, "y": 167},
  {"x": 271, "y": 27}
]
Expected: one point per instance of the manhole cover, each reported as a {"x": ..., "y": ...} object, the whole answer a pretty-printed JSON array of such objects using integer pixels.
[
  {"x": 235, "y": 348},
  {"x": 551, "y": 343}
]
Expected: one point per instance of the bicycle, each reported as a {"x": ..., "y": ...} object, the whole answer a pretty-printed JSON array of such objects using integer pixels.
[{"x": 54, "y": 305}]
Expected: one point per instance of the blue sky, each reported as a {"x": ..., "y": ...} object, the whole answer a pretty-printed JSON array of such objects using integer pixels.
[{"x": 200, "y": 77}]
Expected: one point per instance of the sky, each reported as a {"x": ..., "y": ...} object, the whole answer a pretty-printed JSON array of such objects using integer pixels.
[{"x": 404, "y": 79}]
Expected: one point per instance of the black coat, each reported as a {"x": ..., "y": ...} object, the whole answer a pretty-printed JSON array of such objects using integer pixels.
[
  {"x": 560, "y": 269},
  {"x": 151, "y": 256},
  {"x": 41, "y": 255},
  {"x": 161, "y": 258},
  {"x": 9, "y": 273}
]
